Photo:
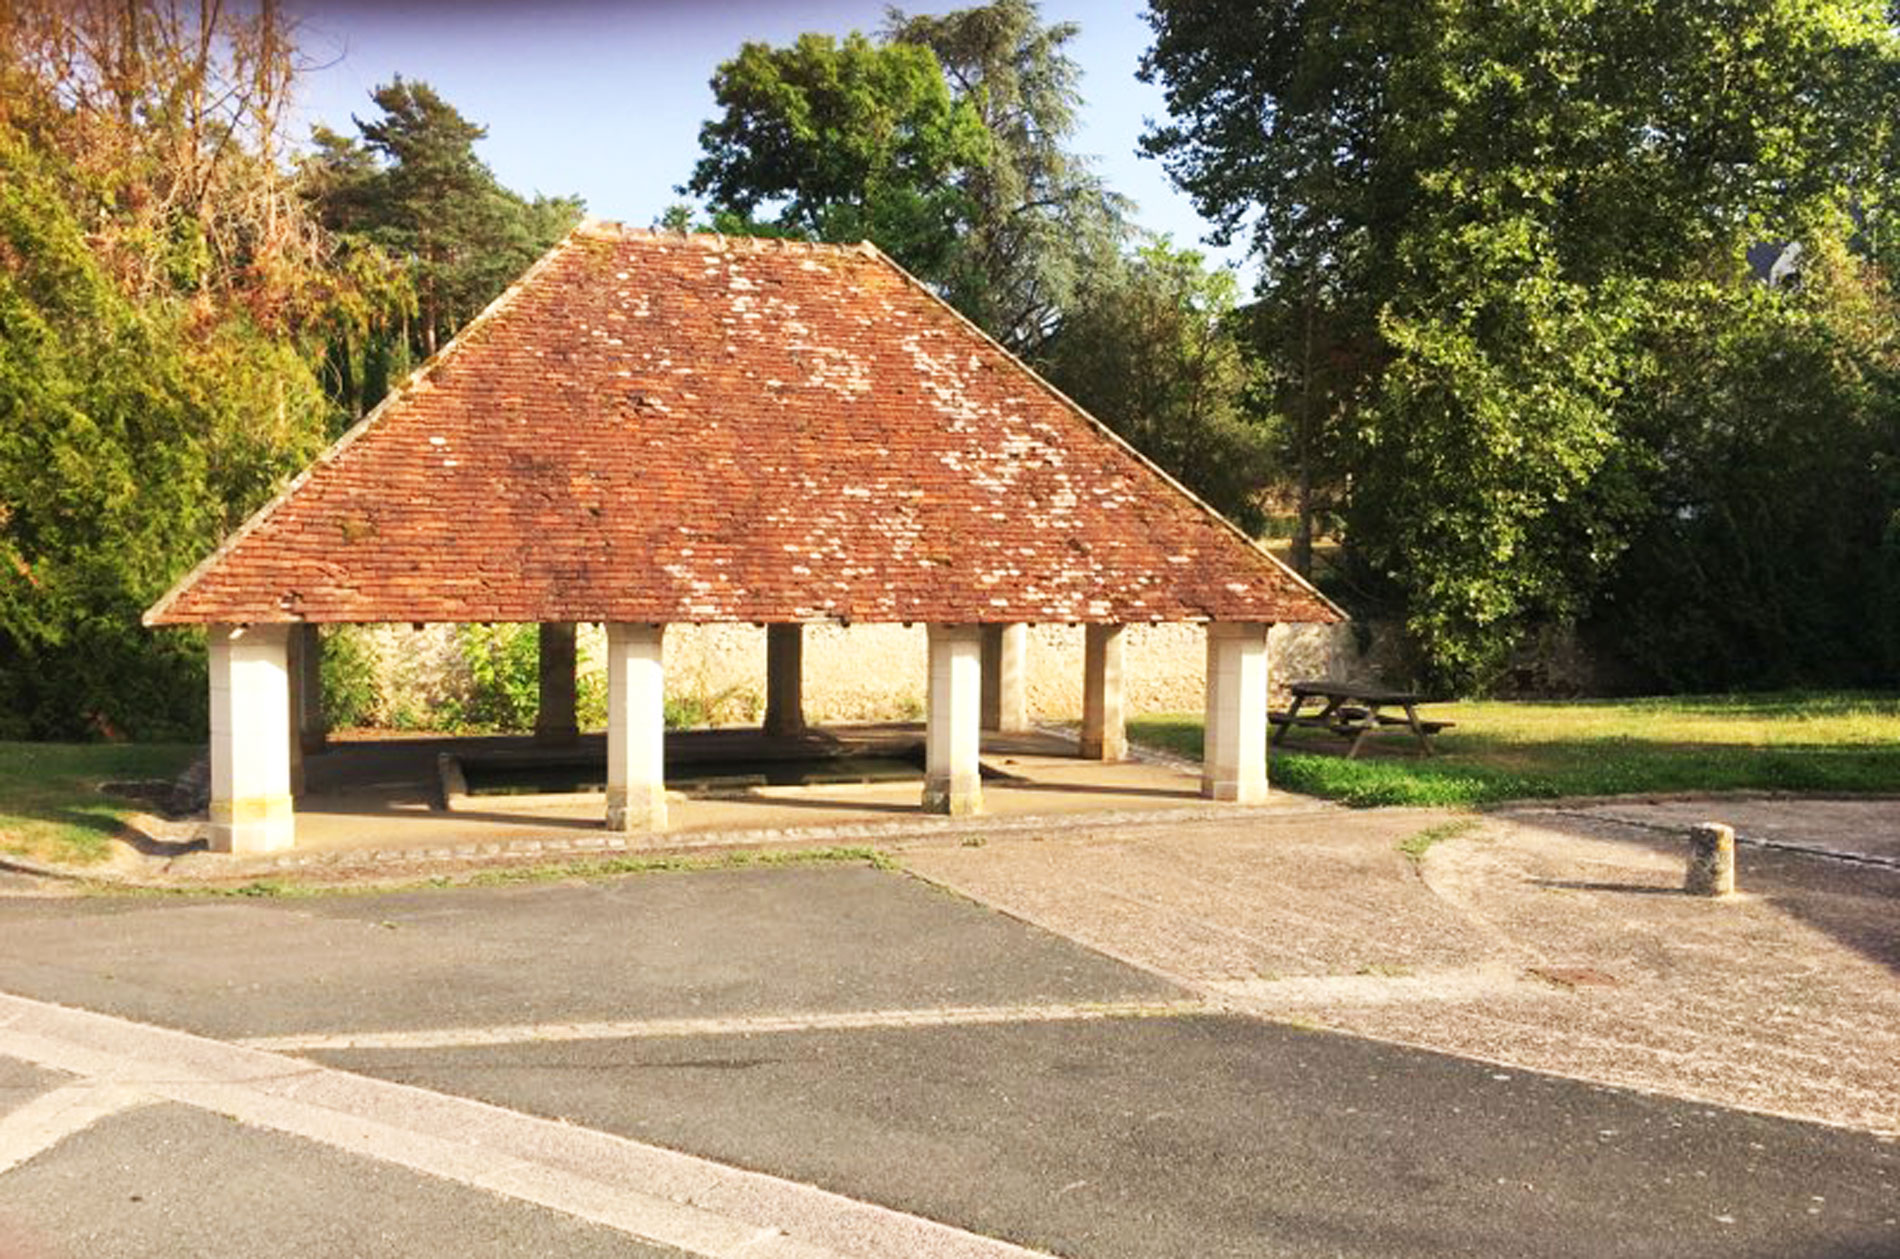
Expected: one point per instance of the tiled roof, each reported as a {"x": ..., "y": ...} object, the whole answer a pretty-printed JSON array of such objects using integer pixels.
[{"x": 659, "y": 428}]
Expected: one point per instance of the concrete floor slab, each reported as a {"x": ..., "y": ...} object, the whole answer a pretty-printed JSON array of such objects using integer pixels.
[
  {"x": 1212, "y": 1136},
  {"x": 383, "y": 794},
  {"x": 169, "y": 1180}
]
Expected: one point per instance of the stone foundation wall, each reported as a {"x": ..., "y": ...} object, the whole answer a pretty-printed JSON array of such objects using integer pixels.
[{"x": 872, "y": 672}]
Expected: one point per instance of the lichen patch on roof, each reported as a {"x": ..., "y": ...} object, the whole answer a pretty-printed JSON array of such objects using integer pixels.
[{"x": 652, "y": 427}]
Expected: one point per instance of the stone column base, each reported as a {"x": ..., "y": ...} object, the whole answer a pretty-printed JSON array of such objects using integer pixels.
[
  {"x": 634, "y": 809},
  {"x": 253, "y": 825},
  {"x": 957, "y": 798}
]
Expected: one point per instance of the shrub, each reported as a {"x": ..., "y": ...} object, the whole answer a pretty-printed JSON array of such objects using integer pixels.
[
  {"x": 351, "y": 696},
  {"x": 504, "y": 666}
]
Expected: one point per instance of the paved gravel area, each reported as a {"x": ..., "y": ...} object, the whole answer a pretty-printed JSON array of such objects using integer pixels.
[{"x": 1536, "y": 939}]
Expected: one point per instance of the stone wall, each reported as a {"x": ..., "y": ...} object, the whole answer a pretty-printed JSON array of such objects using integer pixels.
[{"x": 872, "y": 672}]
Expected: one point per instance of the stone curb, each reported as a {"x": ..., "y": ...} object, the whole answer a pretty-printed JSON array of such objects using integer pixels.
[
  {"x": 205, "y": 870},
  {"x": 1678, "y": 830},
  {"x": 606, "y": 845},
  {"x": 1678, "y": 797}
]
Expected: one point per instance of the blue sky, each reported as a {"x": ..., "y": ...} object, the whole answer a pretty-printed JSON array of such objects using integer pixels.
[{"x": 604, "y": 100}]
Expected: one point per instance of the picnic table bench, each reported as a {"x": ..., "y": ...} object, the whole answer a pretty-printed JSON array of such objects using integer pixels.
[{"x": 1355, "y": 711}]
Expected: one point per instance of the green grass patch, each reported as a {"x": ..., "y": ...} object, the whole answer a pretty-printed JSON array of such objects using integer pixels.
[
  {"x": 1417, "y": 844},
  {"x": 615, "y": 867},
  {"x": 1821, "y": 743},
  {"x": 51, "y": 808}
]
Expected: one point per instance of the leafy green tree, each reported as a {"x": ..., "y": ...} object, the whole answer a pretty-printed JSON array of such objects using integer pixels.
[
  {"x": 133, "y": 434},
  {"x": 163, "y": 300},
  {"x": 840, "y": 141},
  {"x": 1039, "y": 219},
  {"x": 412, "y": 184},
  {"x": 1768, "y": 551},
  {"x": 1492, "y": 206},
  {"x": 1151, "y": 348}
]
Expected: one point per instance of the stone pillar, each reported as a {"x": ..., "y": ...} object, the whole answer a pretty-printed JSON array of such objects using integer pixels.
[
  {"x": 251, "y": 739},
  {"x": 1234, "y": 758},
  {"x": 636, "y": 729},
  {"x": 1005, "y": 677},
  {"x": 554, "y": 718},
  {"x": 295, "y": 650},
  {"x": 313, "y": 725},
  {"x": 952, "y": 781},
  {"x": 785, "y": 679},
  {"x": 1711, "y": 869},
  {"x": 1104, "y": 712}
]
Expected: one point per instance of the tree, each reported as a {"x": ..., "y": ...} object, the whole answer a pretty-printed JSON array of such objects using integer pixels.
[
  {"x": 1768, "y": 550},
  {"x": 1039, "y": 219},
  {"x": 167, "y": 115},
  {"x": 161, "y": 294},
  {"x": 1150, "y": 347},
  {"x": 1492, "y": 206},
  {"x": 413, "y": 185},
  {"x": 840, "y": 141}
]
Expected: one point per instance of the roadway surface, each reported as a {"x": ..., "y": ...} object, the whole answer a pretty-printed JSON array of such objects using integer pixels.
[{"x": 797, "y": 1062}]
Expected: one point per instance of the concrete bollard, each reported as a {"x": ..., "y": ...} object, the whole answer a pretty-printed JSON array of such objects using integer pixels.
[{"x": 1711, "y": 860}]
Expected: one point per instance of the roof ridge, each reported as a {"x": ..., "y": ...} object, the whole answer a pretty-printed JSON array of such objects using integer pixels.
[
  {"x": 612, "y": 230},
  {"x": 356, "y": 431}
]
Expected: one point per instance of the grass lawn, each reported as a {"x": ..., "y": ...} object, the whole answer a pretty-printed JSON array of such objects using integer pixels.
[
  {"x": 1818, "y": 742},
  {"x": 50, "y": 804}
]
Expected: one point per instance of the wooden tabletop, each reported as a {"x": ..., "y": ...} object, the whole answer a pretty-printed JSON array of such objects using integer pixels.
[{"x": 1328, "y": 689}]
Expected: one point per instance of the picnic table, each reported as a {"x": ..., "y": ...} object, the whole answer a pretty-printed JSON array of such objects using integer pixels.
[{"x": 1355, "y": 711}]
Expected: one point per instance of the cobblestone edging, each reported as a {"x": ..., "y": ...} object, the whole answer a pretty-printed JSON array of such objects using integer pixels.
[
  {"x": 1754, "y": 842},
  {"x": 197, "y": 867}
]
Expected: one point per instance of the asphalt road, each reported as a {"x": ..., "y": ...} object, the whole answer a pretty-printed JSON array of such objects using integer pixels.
[
  {"x": 170, "y": 1180},
  {"x": 861, "y": 1032}
]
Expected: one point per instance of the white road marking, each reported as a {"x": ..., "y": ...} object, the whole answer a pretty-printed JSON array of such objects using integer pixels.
[
  {"x": 751, "y": 1025},
  {"x": 50, "y": 1118},
  {"x": 656, "y": 1195}
]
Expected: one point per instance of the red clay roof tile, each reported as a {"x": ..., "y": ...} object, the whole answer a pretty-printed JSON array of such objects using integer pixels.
[{"x": 659, "y": 428}]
